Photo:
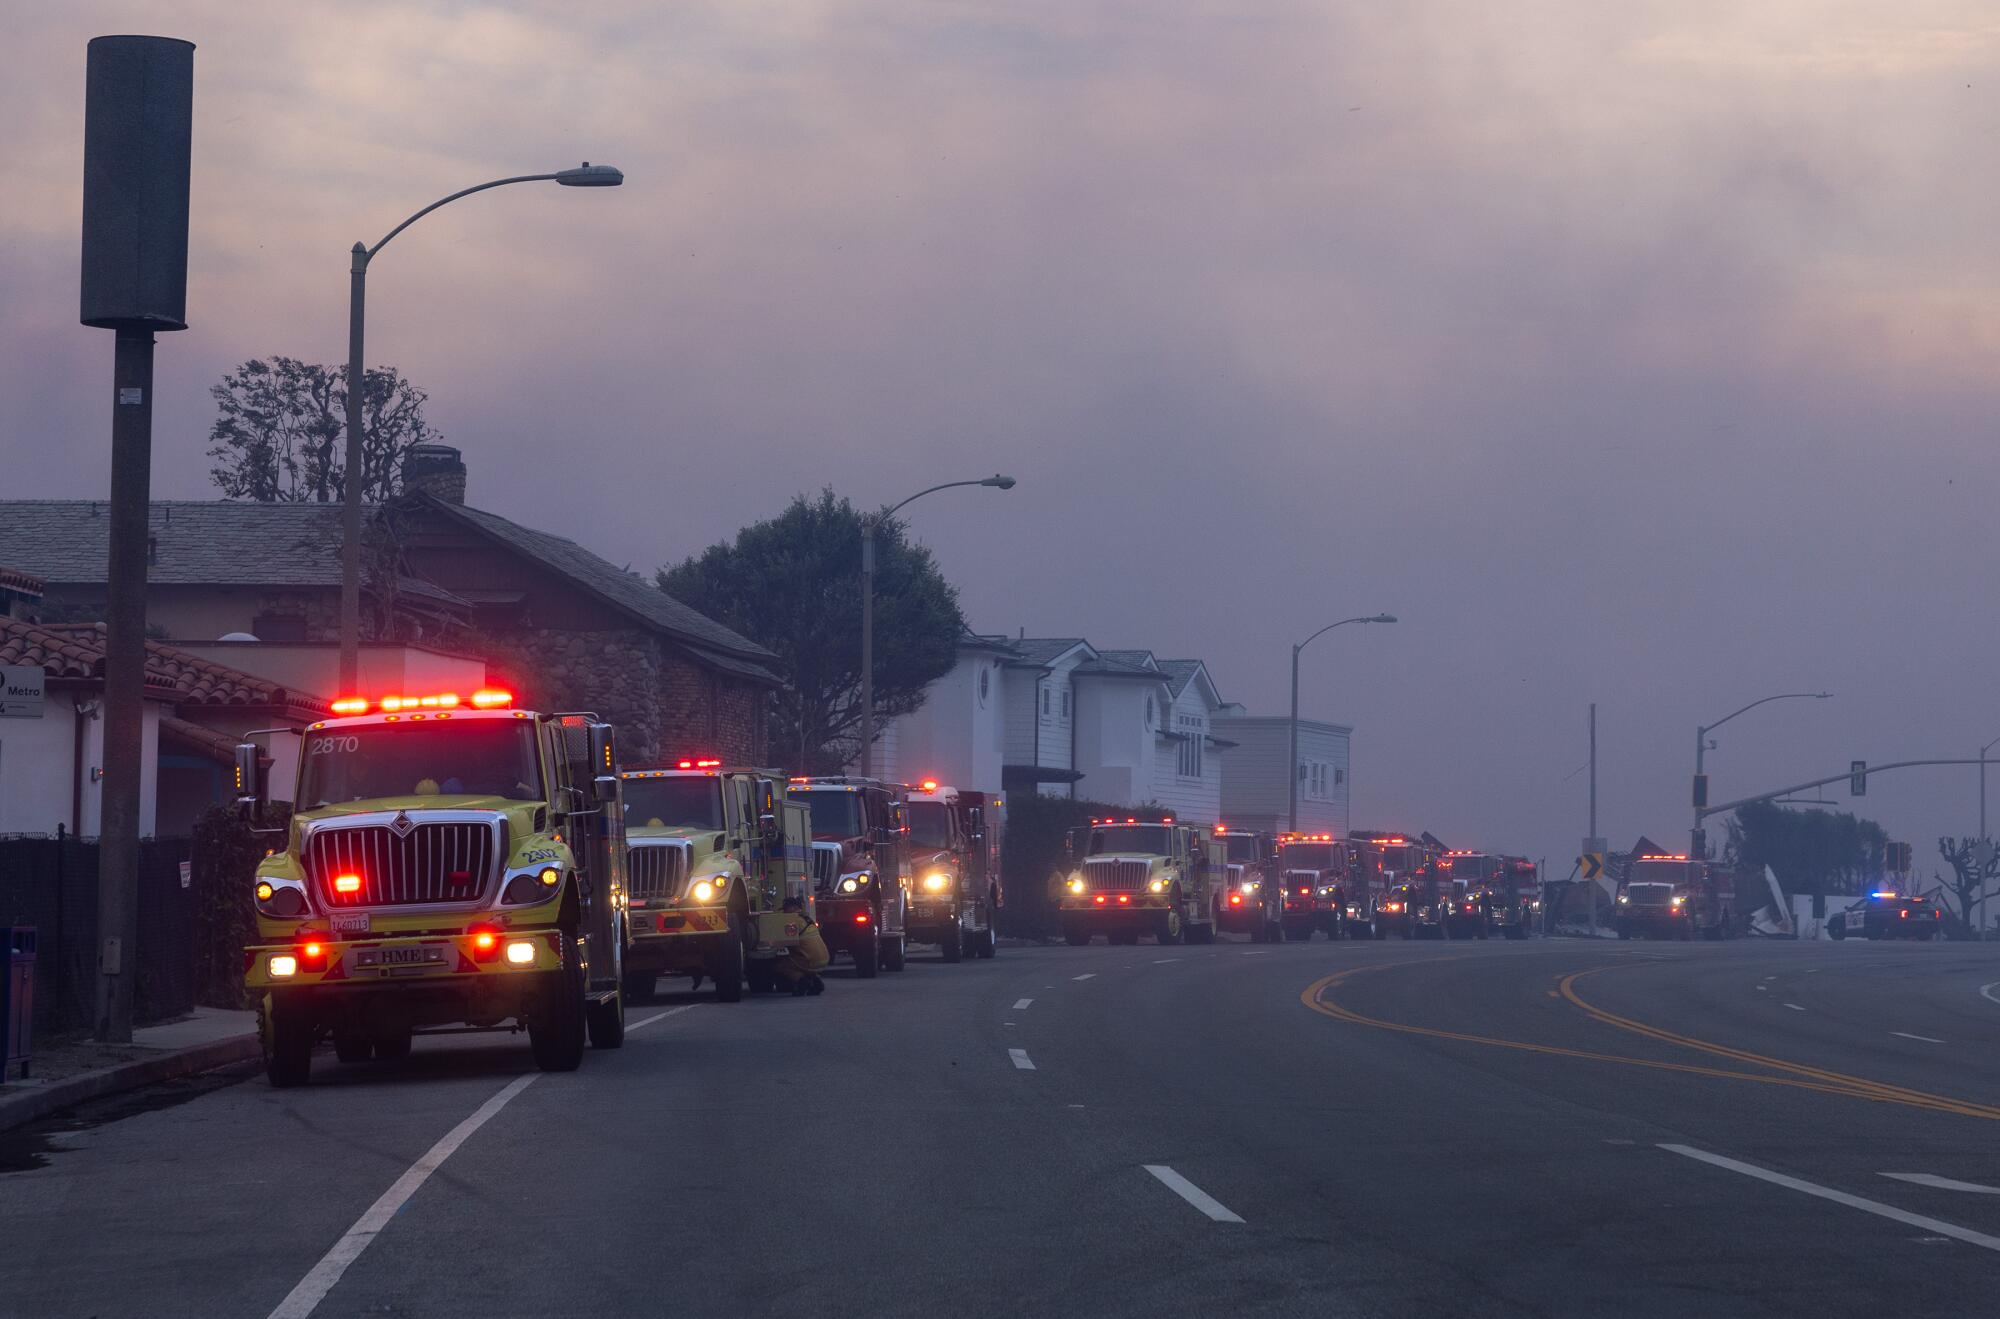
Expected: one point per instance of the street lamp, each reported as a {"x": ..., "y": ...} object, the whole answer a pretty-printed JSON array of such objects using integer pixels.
[
  {"x": 1292, "y": 771},
  {"x": 1697, "y": 839},
  {"x": 1985, "y": 849},
  {"x": 585, "y": 175},
  {"x": 868, "y": 525}
]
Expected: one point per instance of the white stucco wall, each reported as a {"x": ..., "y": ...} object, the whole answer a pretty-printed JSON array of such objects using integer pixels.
[{"x": 38, "y": 768}]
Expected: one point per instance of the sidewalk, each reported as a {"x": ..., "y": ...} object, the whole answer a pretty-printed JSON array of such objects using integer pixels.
[{"x": 66, "y": 1073}]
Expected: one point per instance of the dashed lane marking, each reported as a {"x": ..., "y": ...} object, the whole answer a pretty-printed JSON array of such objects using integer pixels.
[
  {"x": 1020, "y": 1057},
  {"x": 1087, "y": 975},
  {"x": 1020, "y": 1003},
  {"x": 1191, "y": 1193},
  {"x": 1876, "y": 1207},
  {"x": 1795, "y": 1007},
  {"x": 1927, "y": 1039},
  {"x": 1158, "y": 960},
  {"x": 1942, "y": 1183},
  {"x": 1986, "y": 992},
  {"x": 661, "y": 1016}
]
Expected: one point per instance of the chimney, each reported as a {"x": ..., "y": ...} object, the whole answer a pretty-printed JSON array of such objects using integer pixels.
[{"x": 435, "y": 470}]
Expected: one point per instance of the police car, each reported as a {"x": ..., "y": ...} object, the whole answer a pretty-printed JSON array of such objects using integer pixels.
[{"x": 1888, "y": 915}]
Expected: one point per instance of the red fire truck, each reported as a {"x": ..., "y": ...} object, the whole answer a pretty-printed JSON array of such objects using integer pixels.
[
  {"x": 1379, "y": 861},
  {"x": 1313, "y": 876},
  {"x": 1520, "y": 895},
  {"x": 1667, "y": 894},
  {"x": 860, "y": 868}
]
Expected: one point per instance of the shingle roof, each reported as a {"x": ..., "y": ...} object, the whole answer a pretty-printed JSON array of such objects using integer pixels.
[
  {"x": 76, "y": 650},
  {"x": 1179, "y": 673},
  {"x": 1116, "y": 668},
  {"x": 1138, "y": 659},
  {"x": 625, "y": 591},
  {"x": 1045, "y": 650},
  {"x": 209, "y": 542}
]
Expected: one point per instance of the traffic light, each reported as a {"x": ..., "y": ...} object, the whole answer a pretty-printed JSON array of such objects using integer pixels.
[
  {"x": 1857, "y": 778},
  {"x": 1701, "y": 792}
]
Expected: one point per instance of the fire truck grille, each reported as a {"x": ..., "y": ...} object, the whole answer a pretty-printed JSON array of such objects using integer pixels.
[
  {"x": 658, "y": 870},
  {"x": 1116, "y": 876},
  {"x": 826, "y": 865},
  {"x": 430, "y": 863}
]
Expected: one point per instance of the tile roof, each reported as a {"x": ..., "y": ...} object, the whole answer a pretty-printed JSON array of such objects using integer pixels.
[
  {"x": 199, "y": 738},
  {"x": 625, "y": 591},
  {"x": 76, "y": 651},
  {"x": 20, "y": 583}
]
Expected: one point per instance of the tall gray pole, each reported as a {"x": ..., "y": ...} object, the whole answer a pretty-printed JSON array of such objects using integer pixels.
[
  {"x": 350, "y": 514},
  {"x": 1593, "y": 889},
  {"x": 868, "y": 648},
  {"x": 1292, "y": 765},
  {"x": 124, "y": 685}
]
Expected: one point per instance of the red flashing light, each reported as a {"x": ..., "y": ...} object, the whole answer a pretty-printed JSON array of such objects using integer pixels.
[
  {"x": 860, "y": 918},
  {"x": 350, "y": 705},
  {"x": 1124, "y": 900},
  {"x": 706, "y": 764},
  {"x": 1100, "y": 899},
  {"x": 930, "y": 785},
  {"x": 491, "y": 698},
  {"x": 1236, "y": 899},
  {"x": 1664, "y": 856},
  {"x": 485, "y": 943}
]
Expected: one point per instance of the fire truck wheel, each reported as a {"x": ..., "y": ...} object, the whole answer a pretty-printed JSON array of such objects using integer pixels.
[
  {"x": 1079, "y": 938},
  {"x": 1201, "y": 934},
  {"x": 392, "y": 1048},
  {"x": 952, "y": 943},
  {"x": 640, "y": 986},
  {"x": 1298, "y": 933},
  {"x": 987, "y": 941},
  {"x": 867, "y": 960},
  {"x": 1257, "y": 934},
  {"x": 725, "y": 968},
  {"x": 288, "y": 1043},
  {"x": 1170, "y": 931},
  {"x": 896, "y": 953},
  {"x": 557, "y": 1028},
  {"x": 1485, "y": 931},
  {"x": 353, "y": 1048},
  {"x": 1126, "y": 937}
]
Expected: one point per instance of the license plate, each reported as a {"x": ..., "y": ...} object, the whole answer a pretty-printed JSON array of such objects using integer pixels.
[
  {"x": 350, "y": 922},
  {"x": 418, "y": 955}
]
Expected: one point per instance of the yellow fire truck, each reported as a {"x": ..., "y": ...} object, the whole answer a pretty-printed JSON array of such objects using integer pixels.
[
  {"x": 1135, "y": 876},
  {"x": 449, "y": 861},
  {"x": 715, "y": 855}
]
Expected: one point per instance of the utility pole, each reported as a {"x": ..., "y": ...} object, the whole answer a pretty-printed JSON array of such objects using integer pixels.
[{"x": 1592, "y": 890}]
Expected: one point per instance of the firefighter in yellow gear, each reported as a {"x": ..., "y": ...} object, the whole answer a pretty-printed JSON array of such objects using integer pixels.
[{"x": 799, "y": 968}]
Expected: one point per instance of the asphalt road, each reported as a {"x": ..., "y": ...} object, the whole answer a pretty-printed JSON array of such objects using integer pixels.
[{"x": 1549, "y": 1128}]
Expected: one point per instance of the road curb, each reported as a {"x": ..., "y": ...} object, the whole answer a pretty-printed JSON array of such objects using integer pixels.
[{"x": 73, "y": 1090}]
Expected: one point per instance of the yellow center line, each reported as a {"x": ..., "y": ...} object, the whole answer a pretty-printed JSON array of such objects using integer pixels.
[{"x": 1803, "y": 1078}]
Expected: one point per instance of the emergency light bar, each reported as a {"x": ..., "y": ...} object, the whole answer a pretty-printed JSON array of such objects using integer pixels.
[
  {"x": 1664, "y": 856},
  {"x": 486, "y": 698},
  {"x": 1131, "y": 819},
  {"x": 928, "y": 785},
  {"x": 697, "y": 764}
]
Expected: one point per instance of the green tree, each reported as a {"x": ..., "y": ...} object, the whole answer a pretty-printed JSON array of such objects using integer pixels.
[
  {"x": 280, "y": 431},
  {"x": 1818, "y": 852},
  {"x": 793, "y": 583}
]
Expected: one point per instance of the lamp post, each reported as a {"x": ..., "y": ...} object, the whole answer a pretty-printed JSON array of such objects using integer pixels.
[
  {"x": 1292, "y": 768},
  {"x": 1697, "y": 838},
  {"x": 868, "y": 525},
  {"x": 585, "y": 175},
  {"x": 1985, "y": 848}
]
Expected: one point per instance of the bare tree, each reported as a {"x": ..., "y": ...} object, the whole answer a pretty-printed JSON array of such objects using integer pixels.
[
  {"x": 280, "y": 431},
  {"x": 1968, "y": 878}
]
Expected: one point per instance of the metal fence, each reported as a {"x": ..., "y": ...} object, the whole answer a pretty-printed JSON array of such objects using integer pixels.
[{"x": 51, "y": 884}]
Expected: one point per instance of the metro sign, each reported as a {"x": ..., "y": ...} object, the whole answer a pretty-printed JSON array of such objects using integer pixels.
[{"x": 21, "y": 688}]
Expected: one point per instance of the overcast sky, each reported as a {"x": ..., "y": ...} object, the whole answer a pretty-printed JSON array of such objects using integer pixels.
[{"x": 1641, "y": 353}]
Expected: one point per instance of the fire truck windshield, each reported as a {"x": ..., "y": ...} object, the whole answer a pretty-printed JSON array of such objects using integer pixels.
[
  {"x": 473, "y": 757},
  {"x": 1306, "y": 856},
  {"x": 930, "y": 824},
  {"x": 1243, "y": 847},
  {"x": 673, "y": 802},
  {"x": 836, "y": 812},
  {"x": 1473, "y": 867},
  {"x": 1659, "y": 872},
  {"x": 1148, "y": 839}
]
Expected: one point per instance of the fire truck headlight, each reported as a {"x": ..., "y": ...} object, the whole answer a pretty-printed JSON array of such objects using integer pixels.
[
  {"x": 283, "y": 965},
  {"x": 936, "y": 882},
  {"x": 264, "y": 890},
  {"x": 1253, "y": 886},
  {"x": 703, "y": 891},
  {"x": 1076, "y": 885},
  {"x": 282, "y": 901},
  {"x": 521, "y": 952},
  {"x": 853, "y": 883},
  {"x": 1623, "y": 899},
  {"x": 1157, "y": 886},
  {"x": 524, "y": 888}
]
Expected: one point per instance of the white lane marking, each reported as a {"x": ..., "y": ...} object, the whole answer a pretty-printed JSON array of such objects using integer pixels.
[
  {"x": 1020, "y": 1057},
  {"x": 1158, "y": 960},
  {"x": 1770, "y": 977},
  {"x": 1986, "y": 991},
  {"x": 1763, "y": 987},
  {"x": 661, "y": 1016},
  {"x": 1937, "y": 1226},
  {"x": 1925, "y": 1038},
  {"x": 1942, "y": 1183},
  {"x": 312, "y": 1289},
  {"x": 1087, "y": 975},
  {"x": 1006, "y": 1023},
  {"x": 1256, "y": 952},
  {"x": 1795, "y": 1007},
  {"x": 1191, "y": 1193},
  {"x": 1020, "y": 1003}
]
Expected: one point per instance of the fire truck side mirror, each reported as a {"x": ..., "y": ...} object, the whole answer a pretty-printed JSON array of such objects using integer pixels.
[
  {"x": 249, "y": 782},
  {"x": 603, "y": 759}
]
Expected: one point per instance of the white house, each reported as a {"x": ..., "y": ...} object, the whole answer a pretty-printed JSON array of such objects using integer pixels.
[
  {"x": 1060, "y": 716},
  {"x": 1254, "y": 755}
]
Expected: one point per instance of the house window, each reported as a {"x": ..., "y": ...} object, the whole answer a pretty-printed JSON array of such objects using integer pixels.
[
  {"x": 1188, "y": 758},
  {"x": 1340, "y": 776},
  {"x": 985, "y": 684},
  {"x": 1045, "y": 700}
]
